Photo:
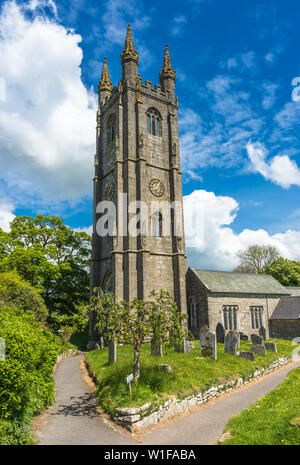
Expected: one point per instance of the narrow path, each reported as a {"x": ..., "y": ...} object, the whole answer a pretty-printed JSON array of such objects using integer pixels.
[{"x": 74, "y": 418}]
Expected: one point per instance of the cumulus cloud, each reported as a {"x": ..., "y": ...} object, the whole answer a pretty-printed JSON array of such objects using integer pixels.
[
  {"x": 47, "y": 121},
  {"x": 280, "y": 169},
  {"x": 6, "y": 216},
  {"x": 211, "y": 241}
]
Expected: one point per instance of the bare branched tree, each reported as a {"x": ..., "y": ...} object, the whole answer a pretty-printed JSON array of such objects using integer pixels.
[{"x": 255, "y": 258}]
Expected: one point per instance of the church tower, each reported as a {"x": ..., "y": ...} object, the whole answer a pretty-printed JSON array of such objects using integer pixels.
[{"x": 137, "y": 172}]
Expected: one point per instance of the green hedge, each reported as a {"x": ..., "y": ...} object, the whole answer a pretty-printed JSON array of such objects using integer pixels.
[{"x": 26, "y": 384}]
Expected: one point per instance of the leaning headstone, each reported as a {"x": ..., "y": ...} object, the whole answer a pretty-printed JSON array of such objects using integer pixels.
[
  {"x": 2, "y": 350},
  {"x": 271, "y": 346},
  {"x": 256, "y": 339},
  {"x": 262, "y": 333},
  {"x": 208, "y": 343},
  {"x": 231, "y": 342},
  {"x": 243, "y": 337},
  {"x": 247, "y": 355},
  {"x": 112, "y": 353},
  {"x": 220, "y": 333},
  {"x": 187, "y": 348},
  {"x": 259, "y": 349},
  {"x": 156, "y": 348}
]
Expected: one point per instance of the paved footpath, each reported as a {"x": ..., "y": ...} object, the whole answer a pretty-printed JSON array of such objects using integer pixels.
[{"x": 74, "y": 418}]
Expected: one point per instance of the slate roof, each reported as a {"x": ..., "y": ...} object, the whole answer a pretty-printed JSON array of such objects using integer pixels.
[
  {"x": 240, "y": 283},
  {"x": 294, "y": 291},
  {"x": 288, "y": 308}
]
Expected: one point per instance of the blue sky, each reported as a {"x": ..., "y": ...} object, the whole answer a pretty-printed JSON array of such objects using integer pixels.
[{"x": 239, "y": 126}]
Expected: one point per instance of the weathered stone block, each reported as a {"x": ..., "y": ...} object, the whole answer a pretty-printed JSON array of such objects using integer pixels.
[
  {"x": 259, "y": 349},
  {"x": 231, "y": 342},
  {"x": 165, "y": 367},
  {"x": 247, "y": 355},
  {"x": 256, "y": 339},
  {"x": 271, "y": 346},
  {"x": 208, "y": 343}
]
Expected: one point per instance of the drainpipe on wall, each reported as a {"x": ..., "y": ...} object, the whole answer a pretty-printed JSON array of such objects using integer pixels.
[{"x": 269, "y": 323}]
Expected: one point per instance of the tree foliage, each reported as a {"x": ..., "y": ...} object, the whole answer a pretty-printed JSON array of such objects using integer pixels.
[
  {"x": 132, "y": 322},
  {"x": 15, "y": 292},
  {"x": 50, "y": 256},
  {"x": 255, "y": 258},
  {"x": 287, "y": 272}
]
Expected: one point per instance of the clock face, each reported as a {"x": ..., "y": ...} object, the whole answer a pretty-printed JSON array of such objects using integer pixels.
[
  {"x": 156, "y": 187},
  {"x": 109, "y": 191}
]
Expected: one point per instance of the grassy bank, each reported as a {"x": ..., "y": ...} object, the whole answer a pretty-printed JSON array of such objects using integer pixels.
[
  {"x": 191, "y": 373},
  {"x": 273, "y": 420}
]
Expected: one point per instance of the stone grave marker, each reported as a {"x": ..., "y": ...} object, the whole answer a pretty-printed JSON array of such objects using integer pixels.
[
  {"x": 256, "y": 339},
  {"x": 112, "y": 353},
  {"x": 271, "y": 346},
  {"x": 243, "y": 337},
  {"x": 208, "y": 343},
  {"x": 247, "y": 355},
  {"x": 2, "y": 350},
  {"x": 156, "y": 348},
  {"x": 259, "y": 349},
  {"x": 262, "y": 332},
  {"x": 220, "y": 333},
  {"x": 231, "y": 342}
]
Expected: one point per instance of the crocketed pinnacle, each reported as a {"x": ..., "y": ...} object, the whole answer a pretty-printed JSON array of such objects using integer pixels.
[
  {"x": 167, "y": 70},
  {"x": 105, "y": 83},
  {"x": 129, "y": 51}
]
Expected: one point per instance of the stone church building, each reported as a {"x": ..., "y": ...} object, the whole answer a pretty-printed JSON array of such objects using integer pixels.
[{"x": 137, "y": 170}]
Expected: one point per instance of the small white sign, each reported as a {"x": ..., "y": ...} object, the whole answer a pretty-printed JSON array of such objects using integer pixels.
[{"x": 129, "y": 378}]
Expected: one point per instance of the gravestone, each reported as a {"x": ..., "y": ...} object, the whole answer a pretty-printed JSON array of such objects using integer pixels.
[
  {"x": 262, "y": 333},
  {"x": 259, "y": 349},
  {"x": 247, "y": 355},
  {"x": 231, "y": 342},
  {"x": 184, "y": 347},
  {"x": 187, "y": 346},
  {"x": 208, "y": 343},
  {"x": 256, "y": 339},
  {"x": 156, "y": 348},
  {"x": 220, "y": 333},
  {"x": 271, "y": 346},
  {"x": 2, "y": 350},
  {"x": 112, "y": 353}
]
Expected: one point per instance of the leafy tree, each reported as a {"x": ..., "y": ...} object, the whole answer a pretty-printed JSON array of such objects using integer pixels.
[
  {"x": 52, "y": 257},
  {"x": 132, "y": 322},
  {"x": 255, "y": 258},
  {"x": 67, "y": 325},
  {"x": 287, "y": 272},
  {"x": 15, "y": 292}
]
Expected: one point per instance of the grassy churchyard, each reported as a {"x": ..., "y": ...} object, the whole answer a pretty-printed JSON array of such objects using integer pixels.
[
  {"x": 273, "y": 420},
  {"x": 191, "y": 373}
]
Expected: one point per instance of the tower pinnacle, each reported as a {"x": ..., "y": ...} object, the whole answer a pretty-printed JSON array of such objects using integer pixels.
[
  {"x": 129, "y": 52},
  {"x": 105, "y": 83},
  {"x": 167, "y": 70}
]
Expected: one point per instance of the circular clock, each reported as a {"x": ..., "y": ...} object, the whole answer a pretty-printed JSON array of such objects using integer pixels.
[
  {"x": 156, "y": 187},
  {"x": 109, "y": 191}
]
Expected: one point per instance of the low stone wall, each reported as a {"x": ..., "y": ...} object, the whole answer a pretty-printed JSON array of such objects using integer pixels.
[
  {"x": 68, "y": 353},
  {"x": 140, "y": 418}
]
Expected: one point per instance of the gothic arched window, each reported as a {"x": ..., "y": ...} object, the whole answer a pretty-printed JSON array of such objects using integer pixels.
[
  {"x": 153, "y": 122},
  {"x": 111, "y": 129},
  {"x": 156, "y": 224},
  {"x": 230, "y": 317}
]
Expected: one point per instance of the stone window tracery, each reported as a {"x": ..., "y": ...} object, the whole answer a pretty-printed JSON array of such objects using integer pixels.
[
  {"x": 230, "y": 317},
  {"x": 156, "y": 221},
  {"x": 153, "y": 122},
  {"x": 111, "y": 129},
  {"x": 256, "y": 317}
]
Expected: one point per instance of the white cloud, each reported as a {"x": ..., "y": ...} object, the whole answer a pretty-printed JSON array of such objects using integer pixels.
[
  {"x": 47, "y": 123},
  {"x": 6, "y": 216},
  {"x": 211, "y": 242},
  {"x": 269, "y": 96},
  {"x": 280, "y": 169},
  {"x": 178, "y": 24}
]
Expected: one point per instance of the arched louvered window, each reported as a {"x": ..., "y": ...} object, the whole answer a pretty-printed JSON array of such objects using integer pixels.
[
  {"x": 111, "y": 129},
  {"x": 153, "y": 122}
]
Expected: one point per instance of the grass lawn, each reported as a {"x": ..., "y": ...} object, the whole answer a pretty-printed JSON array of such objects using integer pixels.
[
  {"x": 273, "y": 420},
  {"x": 191, "y": 373}
]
